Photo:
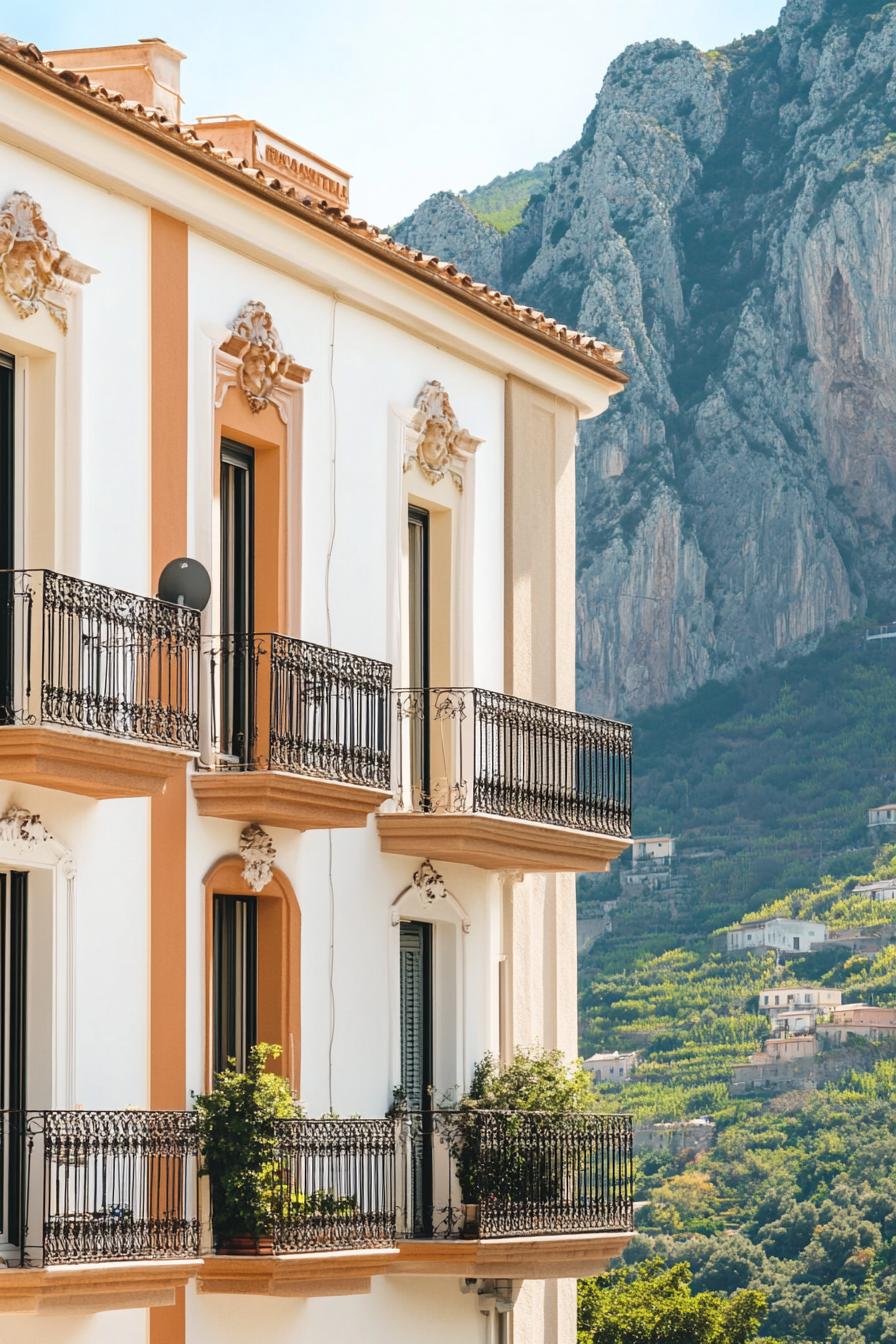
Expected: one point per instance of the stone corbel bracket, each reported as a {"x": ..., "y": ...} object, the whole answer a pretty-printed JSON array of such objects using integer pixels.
[
  {"x": 264, "y": 371},
  {"x": 33, "y": 267}
]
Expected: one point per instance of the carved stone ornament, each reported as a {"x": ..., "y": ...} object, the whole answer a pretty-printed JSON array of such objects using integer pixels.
[
  {"x": 430, "y": 883},
  {"x": 442, "y": 448},
  {"x": 27, "y": 834},
  {"x": 32, "y": 264},
  {"x": 258, "y": 855},
  {"x": 263, "y": 363}
]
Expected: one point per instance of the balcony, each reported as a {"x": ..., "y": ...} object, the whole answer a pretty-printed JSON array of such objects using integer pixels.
[
  {"x": 98, "y": 687},
  {"x": 98, "y": 1210},
  {"x": 299, "y": 733},
  {"x": 105, "y": 1210},
  {"x": 516, "y": 1195},
  {"x": 502, "y": 783},
  {"x": 332, "y": 1213}
]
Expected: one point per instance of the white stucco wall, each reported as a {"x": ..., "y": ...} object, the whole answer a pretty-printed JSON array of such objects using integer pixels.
[{"x": 94, "y": 433}]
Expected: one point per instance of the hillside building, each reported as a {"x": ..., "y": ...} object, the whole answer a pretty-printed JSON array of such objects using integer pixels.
[
  {"x": 651, "y": 866},
  {"x": 783, "y": 935},
  {"x": 275, "y": 492},
  {"x": 676, "y": 1136},
  {"x": 857, "y": 1019},
  {"x": 882, "y": 890},
  {"x": 884, "y": 815},
  {"x": 794, "y": 1022},
  {"x": 787, "y": 997},
  {"x": 614, "y": 1067}
]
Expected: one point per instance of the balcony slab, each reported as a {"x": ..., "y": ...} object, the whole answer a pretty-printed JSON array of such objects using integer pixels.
[
  {"x": 309, "y": 1274},
  {"x": 496, "y": 843},
  {"x": 561, "y": 1256},
  {"x": 88, "y": 764},
  {"x": 272, "y": 798},
  {"x": 119, "y": 1286}
]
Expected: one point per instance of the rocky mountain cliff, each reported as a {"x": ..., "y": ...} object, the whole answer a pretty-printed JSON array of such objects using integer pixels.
[{"x": 727, "y": 217}]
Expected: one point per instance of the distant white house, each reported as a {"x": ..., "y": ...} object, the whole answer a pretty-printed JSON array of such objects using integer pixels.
[
  {"x": 883, "y": 890},
  {"x": 652, "y": 848},
  {"x": 614, "y": 1067},
  {"x": 885, "y": 815},
  {"x": 778, "y": 934},
  {"x": 651, "y": 866},
  {"x": 790, "y": 998}
]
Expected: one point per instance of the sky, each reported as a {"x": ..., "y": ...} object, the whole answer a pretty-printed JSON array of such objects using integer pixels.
[{"x": 410, "y": 98}]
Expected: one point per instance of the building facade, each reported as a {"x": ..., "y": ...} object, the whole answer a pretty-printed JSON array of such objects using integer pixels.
[
  {"x": 857, "y": 1019},
  {"x": 882, "y": 890},
  {"x": 613, "y": 1067},
  {"x": 777, "y": 935},
  {"x": 784, "y": 998},
  {"x": 266, "y": 805}
]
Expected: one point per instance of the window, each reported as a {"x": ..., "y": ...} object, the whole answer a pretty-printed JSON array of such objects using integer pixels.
[
  {"x": 252, "y": 969},
  {"x": 13, "y": 1080},
  {"x": 235, "y": 976},
  {"x": 237, "y": 597}
]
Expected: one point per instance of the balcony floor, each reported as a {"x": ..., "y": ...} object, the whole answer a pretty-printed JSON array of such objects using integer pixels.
[
  {"x": 560, "y": 1256},
  {"x": 117, "y": 1286},
  {"x": 88, "y": 764},
  {"x": 272, "y": 798},
  {"x": 496, "y": 843},
  {"x": 307, "y": 1274}
]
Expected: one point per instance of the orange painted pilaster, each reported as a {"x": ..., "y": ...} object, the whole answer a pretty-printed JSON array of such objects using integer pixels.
[{"x": 168, "y": 816}]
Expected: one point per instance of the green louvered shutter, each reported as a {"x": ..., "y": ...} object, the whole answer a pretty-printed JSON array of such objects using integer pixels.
[{"x": 416, "y": 997}]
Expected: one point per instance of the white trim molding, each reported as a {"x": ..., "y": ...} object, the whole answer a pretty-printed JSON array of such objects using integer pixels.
[{"x": 26, "y": 843}]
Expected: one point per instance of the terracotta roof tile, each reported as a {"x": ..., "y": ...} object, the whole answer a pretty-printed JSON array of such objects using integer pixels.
[{"x": 605, "y": 357}]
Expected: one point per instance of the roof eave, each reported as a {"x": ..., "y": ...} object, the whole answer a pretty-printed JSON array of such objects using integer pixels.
[{"x": 59, "y": 84}]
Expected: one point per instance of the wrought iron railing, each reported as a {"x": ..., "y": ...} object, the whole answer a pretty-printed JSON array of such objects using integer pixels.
[
  {"x": 81, "y": 1187},
  {"x": 79, "y": 655},
  {"x": 513, "y": 1173},
  {"x": 333, "y": 1184},
  {"x": 468, "y": 750},
  {"x": 284, "y": 704}
]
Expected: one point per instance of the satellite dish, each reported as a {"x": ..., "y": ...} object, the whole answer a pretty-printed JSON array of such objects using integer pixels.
[{"x": 185, "y": 583}]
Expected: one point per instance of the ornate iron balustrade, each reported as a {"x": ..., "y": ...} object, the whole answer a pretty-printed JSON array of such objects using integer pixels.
[
  {"x": 82, "y": 1187},
  {"x": 284, "y": 704},
  {"x": 461, "y": 750},
  {"x": 513, "y": 1173},
  {"x": 79, "y": 655},
  {"x": 333, "y": 1184}
]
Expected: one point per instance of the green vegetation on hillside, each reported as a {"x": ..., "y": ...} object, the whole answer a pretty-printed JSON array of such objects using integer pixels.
[
  {"x": 693, "y": 1012},
  {"x": 771, "y": 775},
  {"x": 804, "y": 1192},
  {"x": 653, "y": 1304},
  {"x": 502, "y": 201},
  {"x": 797, "y": 1196}
]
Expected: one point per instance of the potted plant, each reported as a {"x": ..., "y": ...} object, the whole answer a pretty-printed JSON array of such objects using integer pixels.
[
  {"x": 535, "y": 1080},
  {"x": 237, "y": 1131}
]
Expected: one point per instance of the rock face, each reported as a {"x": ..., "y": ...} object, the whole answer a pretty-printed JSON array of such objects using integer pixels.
[{"x": 728, "y": 218}]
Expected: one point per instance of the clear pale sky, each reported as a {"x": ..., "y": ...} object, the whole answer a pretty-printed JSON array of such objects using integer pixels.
[{"x": 410, "y": 98}]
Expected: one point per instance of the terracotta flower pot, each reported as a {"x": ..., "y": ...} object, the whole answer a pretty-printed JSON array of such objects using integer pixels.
[{"x": 247, "y": 1246}]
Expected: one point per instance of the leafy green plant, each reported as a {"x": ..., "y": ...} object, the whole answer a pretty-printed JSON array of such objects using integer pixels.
[
  {"x": 654, "y": 1304},
  {"x": 535, "y": 1080},
  {"x": 237, "y": 1129}
]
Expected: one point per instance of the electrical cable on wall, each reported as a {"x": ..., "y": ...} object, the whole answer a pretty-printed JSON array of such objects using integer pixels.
[{"x": 329, "y": 618}]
